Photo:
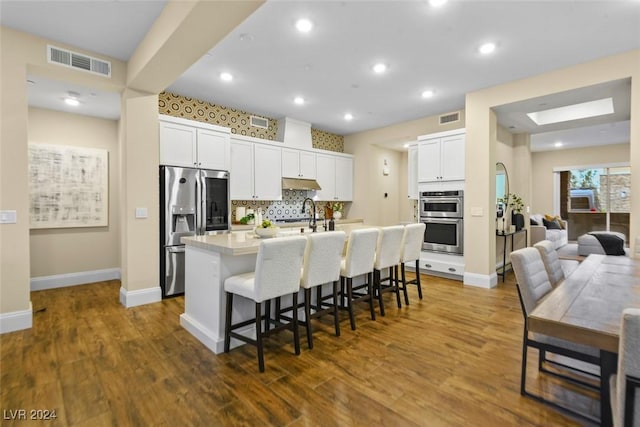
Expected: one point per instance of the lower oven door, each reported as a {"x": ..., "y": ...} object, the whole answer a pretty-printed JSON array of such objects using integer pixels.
[{"x": 443, "y": 235}]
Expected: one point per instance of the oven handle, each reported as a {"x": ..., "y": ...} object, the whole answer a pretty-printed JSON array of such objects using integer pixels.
[
  {"x": 447, "y": 220},
  {"x": 442, "y": 200}
]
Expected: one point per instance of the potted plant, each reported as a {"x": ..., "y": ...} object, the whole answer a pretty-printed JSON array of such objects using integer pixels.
[
  {"x": 513, "y": 201},
  {"x": 337, "y": 209}
]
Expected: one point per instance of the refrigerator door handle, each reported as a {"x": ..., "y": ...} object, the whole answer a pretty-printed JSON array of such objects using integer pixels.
[
  {"x": 200, "y": 192},
  {"x": 176, "y": 249}
]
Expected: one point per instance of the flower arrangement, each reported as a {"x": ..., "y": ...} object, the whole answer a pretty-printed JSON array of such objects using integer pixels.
[
  {"x": 513, "y": 201},
  {"x": 337, "y": 206}
]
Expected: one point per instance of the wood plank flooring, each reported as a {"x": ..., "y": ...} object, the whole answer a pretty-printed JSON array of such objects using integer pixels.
[{"x": 451, "y": 359}]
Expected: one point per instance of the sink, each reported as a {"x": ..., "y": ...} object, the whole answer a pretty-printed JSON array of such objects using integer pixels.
[{"x": 293, "y": 231}]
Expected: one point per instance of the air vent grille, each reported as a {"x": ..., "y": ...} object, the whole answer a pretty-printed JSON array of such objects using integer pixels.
[
  {"x": 78, "y": 61},
  {"x": 259, "y": 122},
  {"x": 449, "y": 118}
]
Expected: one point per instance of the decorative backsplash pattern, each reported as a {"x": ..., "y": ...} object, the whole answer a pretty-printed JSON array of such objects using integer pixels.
[
  {"x": 287, "y": 208},
  {"x": 237, "y": 120}
]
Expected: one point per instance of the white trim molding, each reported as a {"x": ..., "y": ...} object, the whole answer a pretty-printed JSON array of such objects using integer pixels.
[
  {"x": 72, "y": 279},
  {"x": 481, "y": 280},
  {"x": 16, "y": 320},
  {"x": 140, "y": 296}
]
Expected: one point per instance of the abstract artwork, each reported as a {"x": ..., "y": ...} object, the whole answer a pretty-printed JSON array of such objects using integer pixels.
[{"x": 68, "y": 186}]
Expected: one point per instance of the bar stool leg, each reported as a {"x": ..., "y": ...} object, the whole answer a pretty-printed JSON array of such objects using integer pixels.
[
  {"x": 259, "y": 337},
  {"x": 296, "y": 332},
  {"x": 404, "y": 283},
  {"x": 371, "y": 295},
  {"x": 227, "y": 325},
  {"x": 336, "y": 319},
  {"x": 307, "y": 316},
  {"x": 418, "y": 278},
  {"x": 378, "y": 284},
  {"x": 352, "y": 318},
  {"x": 267, "y": 315},
  {"x": 393, "y": 279}
]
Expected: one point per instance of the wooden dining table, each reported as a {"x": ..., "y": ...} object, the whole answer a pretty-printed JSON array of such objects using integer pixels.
[{"x": 586, "y": 308}]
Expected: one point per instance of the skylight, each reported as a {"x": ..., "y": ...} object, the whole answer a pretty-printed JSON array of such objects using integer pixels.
[{"x": 583, "y": 110}]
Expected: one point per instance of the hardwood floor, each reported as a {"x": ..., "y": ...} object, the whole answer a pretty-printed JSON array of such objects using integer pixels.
[{"x": 452, "y": 359}]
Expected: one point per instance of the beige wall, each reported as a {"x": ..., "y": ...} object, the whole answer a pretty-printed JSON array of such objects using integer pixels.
[
  {"x": 369, "y": 185},
  {"x": 544, "y": 162},
  {"x": 72, "y": 250},
  {"x": 480, "y": 126},
  {"x": 22, "y": 53}
]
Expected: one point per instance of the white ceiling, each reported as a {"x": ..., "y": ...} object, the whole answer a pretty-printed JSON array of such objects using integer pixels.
[{"x": 424, "y": 47}]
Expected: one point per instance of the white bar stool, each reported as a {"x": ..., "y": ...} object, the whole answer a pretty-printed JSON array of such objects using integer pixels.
[
  {"x": 322, "y": 260},
  {"x": 361, "y": 251},
  {"x": 388, "y": 256},
  {"x": 410, "y": 252},
  {"x": 277, "y": 274}
]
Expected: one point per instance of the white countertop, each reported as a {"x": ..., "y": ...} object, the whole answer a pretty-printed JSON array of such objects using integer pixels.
[
  {"x": 247, "y": 242},
  {"x": 240, "y": 227}
]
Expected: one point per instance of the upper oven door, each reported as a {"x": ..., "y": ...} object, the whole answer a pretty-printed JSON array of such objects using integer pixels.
[{"x": 441, "y": 207}]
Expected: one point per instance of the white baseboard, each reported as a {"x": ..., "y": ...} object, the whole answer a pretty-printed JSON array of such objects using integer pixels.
[
  {"x": 140, "y": 296},
  {"x": 481, "y": 280},
  {"x": 16, "y": 320},
  {"x": 72, "y": 279}
]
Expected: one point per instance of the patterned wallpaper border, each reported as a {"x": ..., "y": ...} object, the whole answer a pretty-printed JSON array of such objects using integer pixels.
[{"x": 237, "y": 120}]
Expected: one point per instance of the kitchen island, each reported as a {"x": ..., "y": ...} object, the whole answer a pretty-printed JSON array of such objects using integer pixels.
[{"x": 209, "y": 260}]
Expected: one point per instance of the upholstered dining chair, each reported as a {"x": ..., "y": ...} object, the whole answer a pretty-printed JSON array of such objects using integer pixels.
[
  {"x": 322, "y": 260},
  {"x": 533, "y": 284},
  {"x": 410, "y": 249},
  {"x": 625, "y": 397},
  {"x": 388, "y": 257},
  {"x": 557, "y": 269},
  {"x": 277, "y": 273},
  {"x": 358, "y": 261}
]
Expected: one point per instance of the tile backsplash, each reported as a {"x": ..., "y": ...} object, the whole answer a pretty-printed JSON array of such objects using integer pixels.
[{"x": 287, "y": 208}]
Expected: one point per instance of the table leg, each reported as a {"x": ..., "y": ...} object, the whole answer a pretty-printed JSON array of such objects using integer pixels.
[{"x": 608, "y": 367}]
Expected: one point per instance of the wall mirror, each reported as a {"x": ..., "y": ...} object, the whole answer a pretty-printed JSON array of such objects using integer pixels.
[{"x": 502, "y": 188}]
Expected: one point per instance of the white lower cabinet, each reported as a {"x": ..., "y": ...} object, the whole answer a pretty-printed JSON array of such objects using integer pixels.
[
  {"x": 255, "y": 170},
  {"x": 440, "y": 264}
]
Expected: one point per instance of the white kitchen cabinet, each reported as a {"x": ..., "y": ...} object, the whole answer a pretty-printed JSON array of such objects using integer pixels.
[
  {"x": 298, "y": 164},
  {"x": 412, "y": 178},
  {"x": 255, "y": 172},
  {"x": 335, "y": 177},
  {"x": 441, "y": 157},
  {"x": 193, "y": 144}
]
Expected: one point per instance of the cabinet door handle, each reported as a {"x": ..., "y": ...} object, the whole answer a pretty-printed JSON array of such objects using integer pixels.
[
  {"x": 427, "y": 266},
  {"x": 451, "y": 269}
]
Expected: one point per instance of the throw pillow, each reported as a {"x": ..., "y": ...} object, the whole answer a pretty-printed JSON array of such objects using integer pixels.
[
  {"x": 551, "y": 225},
  {"x": 533, "y": 222},
  {"x": 555, "y": 218}
]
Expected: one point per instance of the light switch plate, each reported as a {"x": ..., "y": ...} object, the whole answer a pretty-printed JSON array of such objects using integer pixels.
[
  {"x": 477, "y": 211},
  {"x": 8, "y": 217},
  {"x": 141, "y": 212}
]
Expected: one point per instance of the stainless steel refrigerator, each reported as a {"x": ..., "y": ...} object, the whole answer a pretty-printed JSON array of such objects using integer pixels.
[{"x": 192, "y": 202}]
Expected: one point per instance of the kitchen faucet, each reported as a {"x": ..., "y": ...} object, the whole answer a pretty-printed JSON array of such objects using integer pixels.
[{"x": 312, "y": 220}]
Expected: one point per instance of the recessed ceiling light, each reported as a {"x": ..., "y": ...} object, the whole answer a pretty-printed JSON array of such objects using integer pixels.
[
  {"x": 406, "y": 145},
  {"x": 380, "y": 68},
  {"x": 487, "y": 48},
  {"x": 304, "y": 25},
  {"x": 72, "y": 102},
  {"x": 298, "y": 100},
  {"x": 348, "y": 116},
  {"x": 573, "y": 112},
  {"x": 428, "y": 93},
  {"x": 227, "y": 77},
  {"x": 437, "y": 3},
  {"x": 558, "y": 144}
]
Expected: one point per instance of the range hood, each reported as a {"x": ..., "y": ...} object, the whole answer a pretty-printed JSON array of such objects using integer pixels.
[
  {"x": 296, "y": 134},
  {"x": 300, "y": 184}
]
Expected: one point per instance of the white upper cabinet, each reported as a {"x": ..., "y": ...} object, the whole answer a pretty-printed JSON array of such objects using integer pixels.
[
  {"x": 298, "y": 164},
  {"x": 441, "y": 157},
  {"x": 335, "y": 177},
  {"x": 412, "y": 178},
  {"x": 193, "y": 144},
  {"x": 255, "y": 170}
]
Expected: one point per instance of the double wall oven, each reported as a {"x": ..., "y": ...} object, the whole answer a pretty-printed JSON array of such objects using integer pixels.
[{"x": 442, "y": 213}]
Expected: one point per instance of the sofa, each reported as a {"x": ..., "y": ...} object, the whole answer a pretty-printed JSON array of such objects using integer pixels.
[{"x": 559, "y": 237}]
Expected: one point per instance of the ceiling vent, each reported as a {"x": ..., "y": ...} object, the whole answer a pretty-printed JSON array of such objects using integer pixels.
[
  {"x": 78, "y": 61},
  {"x": 259, "y": 122},
  {"x": 449, "y": 118}
]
